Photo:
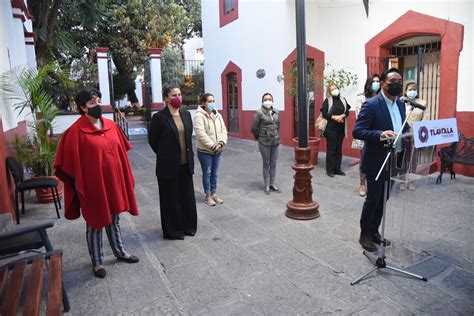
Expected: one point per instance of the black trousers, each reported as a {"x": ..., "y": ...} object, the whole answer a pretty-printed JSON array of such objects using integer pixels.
[
  {"x": 372, "y": 210},
  {"x": 334, "y": 137},
  {"x": 178, "y": 204}
]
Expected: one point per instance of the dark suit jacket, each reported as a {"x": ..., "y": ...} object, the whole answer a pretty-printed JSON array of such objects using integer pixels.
[
  {"x": 373, "y": 119},
  {"x": 164, "y": 140}
]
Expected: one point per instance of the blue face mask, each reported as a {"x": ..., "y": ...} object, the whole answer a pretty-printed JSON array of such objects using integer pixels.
[
  {"x": 211, "y": 106},
  {"x": 412, "y": 94},
  {"x": 375, "y": 86}
]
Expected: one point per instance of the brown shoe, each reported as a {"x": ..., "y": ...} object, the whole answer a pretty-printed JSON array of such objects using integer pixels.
[
  {"x": 216, "y": 199},
  {"x": 367, "y": 243},
  {"x": 377, "y": 238},
  {"x": 362, "y": 190},
  {"x": 209, "y": 200}
]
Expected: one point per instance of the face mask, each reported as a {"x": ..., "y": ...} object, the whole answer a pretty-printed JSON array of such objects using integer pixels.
[
  {"x": 267, "y": 104},
  {"x": 335, "y": 92},
  {"x": 211, "y": 106},
  {"x": 412, "y": 94},
  {"x": 395, "y": 88},
  {"x": 176, "y": 102},
  {"x": 375, "y": 86},
  {"x": 95, "y": 112}
]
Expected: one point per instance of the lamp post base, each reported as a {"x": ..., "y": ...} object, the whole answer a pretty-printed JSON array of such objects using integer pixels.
[{"x": 302, "y": 207}]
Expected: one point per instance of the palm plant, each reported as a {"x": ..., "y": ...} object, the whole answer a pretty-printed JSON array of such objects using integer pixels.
[{"x": 32, "y": 90}]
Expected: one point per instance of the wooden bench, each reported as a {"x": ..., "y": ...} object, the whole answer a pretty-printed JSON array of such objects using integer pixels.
[
  {"x": 458, "y": 152},
  {"x": 14, "y": 274}
]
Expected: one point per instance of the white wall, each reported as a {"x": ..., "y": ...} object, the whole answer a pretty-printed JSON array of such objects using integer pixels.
[
  {"x": 261, "y": 38},
  {"x": 12, "y": 56},
  {"x": 62, "y": 122},
  {"x": 190, "y": 48},
  {"x": 343, "y": 39},
  {"x": 264, "y": 34}
]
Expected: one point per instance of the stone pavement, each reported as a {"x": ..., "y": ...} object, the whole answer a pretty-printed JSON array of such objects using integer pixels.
[{"x": 248, "y": 258}]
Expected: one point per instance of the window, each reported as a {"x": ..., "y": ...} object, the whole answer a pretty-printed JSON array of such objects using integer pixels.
[
  {"x": 229, "y": 6},
  {"x": 228, "y": 11}
]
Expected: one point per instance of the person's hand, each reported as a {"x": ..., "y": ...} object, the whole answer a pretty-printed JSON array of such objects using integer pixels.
[{"x": 387, "y": 134}]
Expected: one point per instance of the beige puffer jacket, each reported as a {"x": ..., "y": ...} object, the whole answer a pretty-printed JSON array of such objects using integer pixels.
[{"x": 210, "y": 130}]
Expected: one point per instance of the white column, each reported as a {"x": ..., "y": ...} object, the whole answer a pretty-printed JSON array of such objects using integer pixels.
[
  {"x": 102, "y": 58},
  {"x": 155, "y": 72}
]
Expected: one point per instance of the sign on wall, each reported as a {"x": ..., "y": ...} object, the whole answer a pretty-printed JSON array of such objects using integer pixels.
[{"x": 435, "y": 132}]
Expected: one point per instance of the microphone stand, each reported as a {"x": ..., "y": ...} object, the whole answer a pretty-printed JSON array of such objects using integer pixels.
[{"x": 379, "y": 261}]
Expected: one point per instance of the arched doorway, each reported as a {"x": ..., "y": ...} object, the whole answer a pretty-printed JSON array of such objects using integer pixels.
[
  {"x": 231, "y": 80},
  {"x": 290, "y": 116},
  {"x": 447, "y": 45}
]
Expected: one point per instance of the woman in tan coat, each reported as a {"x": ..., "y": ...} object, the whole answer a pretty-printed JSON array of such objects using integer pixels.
[{"x": 211, "y": 137}]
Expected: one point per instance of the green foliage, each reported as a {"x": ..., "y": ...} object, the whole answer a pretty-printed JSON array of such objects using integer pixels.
[
  {"x": 123, "y": 83},
  {"x": 340, "y": 77},
  {"x": 172, "y": 67},
  {"x": 31, "y": 90}
]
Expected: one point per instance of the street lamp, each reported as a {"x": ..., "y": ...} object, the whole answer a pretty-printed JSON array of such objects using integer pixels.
[{"x": 302, "y": 206}]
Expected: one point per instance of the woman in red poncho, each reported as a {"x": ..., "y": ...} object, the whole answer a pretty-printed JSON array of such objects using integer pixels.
[{"x": 92, "y": 162}]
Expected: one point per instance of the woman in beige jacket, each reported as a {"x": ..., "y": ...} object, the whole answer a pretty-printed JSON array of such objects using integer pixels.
[{"x": 211, "y": 137}]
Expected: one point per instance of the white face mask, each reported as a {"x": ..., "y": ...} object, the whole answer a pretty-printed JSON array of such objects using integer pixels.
[
  {"x": 335, "y": 92},
  {"x": 412, "y": 94},
  {"x": 267, "y": 104}
]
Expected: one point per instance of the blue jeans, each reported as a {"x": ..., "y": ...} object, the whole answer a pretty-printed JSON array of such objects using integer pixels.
[{"x": 209, "y": 166}]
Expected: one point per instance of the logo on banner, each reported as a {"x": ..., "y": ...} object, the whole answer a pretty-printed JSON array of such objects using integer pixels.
[
  {"x": 423, "y": 134},
  {"x": 435, "y": 132}
]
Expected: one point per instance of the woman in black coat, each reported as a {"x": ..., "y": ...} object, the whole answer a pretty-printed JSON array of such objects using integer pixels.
[
  {"x": 170, "y": 138},
  {"x": 335, "y": 110}
]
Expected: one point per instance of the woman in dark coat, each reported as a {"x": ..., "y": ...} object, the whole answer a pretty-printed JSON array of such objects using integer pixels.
[
  {"x": 335, "y": 110},
  {"x": 170, "y": 138}
]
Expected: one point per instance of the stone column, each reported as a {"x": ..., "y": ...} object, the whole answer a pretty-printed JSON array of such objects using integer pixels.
[
  {"x": 103, "y": 57},
  {"x": 155, "y": 74}
]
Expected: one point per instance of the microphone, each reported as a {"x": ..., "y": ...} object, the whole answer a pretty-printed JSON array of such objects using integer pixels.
[{"x": 413, "y": 103}]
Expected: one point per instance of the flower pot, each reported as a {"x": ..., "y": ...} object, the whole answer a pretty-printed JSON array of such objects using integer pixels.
[
  {"x": 44, "y": 195},
  {"x": 313, "y": 144}
]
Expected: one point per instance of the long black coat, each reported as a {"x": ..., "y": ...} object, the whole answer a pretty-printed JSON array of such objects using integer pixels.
[{"x": 164, "y": 140}]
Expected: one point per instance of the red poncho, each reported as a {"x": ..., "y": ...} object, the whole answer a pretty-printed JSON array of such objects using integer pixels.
[{"x": 94, "y": 166}]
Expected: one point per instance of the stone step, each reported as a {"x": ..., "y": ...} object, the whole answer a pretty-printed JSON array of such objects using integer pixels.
[{"x": 6, "y": 222}]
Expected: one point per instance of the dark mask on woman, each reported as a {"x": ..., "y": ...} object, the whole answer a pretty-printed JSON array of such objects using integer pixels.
[
  {"x": 395, "y": 88},
  {"x": 95, "y": 112}
]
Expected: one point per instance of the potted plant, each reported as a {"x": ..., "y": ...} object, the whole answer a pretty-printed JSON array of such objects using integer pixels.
[
  {"x": 32, "y": 90},
  {"x": 340, "y": 77}
]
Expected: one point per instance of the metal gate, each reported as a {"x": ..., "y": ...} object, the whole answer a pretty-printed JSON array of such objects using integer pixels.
[
  {"x": 428, "y": 79},
  {"x": 147, "y": 94}
]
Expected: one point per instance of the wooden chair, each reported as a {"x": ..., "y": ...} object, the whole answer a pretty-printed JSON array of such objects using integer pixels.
[
  {"x": 21, "y": 185},
  {"x": 14, "y": 274},
  {"x": 28, "y": 239}
]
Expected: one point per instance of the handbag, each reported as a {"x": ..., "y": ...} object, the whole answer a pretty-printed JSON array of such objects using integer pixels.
[{"x": 321, "y": 123}]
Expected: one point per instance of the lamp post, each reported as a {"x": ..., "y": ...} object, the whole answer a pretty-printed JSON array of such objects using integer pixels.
[{"x": 302, "y": 206}]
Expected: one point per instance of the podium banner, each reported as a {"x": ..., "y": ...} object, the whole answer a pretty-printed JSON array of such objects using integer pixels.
[{"x": 435, "y": 132}]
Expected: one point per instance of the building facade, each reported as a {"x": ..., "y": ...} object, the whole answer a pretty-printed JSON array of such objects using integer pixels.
[
  {"x": 17, "y": 51},
  {"x": 429, "y": 41}
]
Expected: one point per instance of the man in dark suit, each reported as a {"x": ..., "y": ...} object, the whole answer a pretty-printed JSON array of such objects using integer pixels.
[{"x": 379, "y": 119}]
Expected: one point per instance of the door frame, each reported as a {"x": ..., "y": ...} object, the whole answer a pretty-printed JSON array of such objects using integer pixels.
[{"x": 232, "y": 67}]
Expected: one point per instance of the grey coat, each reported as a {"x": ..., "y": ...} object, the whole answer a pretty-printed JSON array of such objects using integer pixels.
[{"x": 266, "y": 126}]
